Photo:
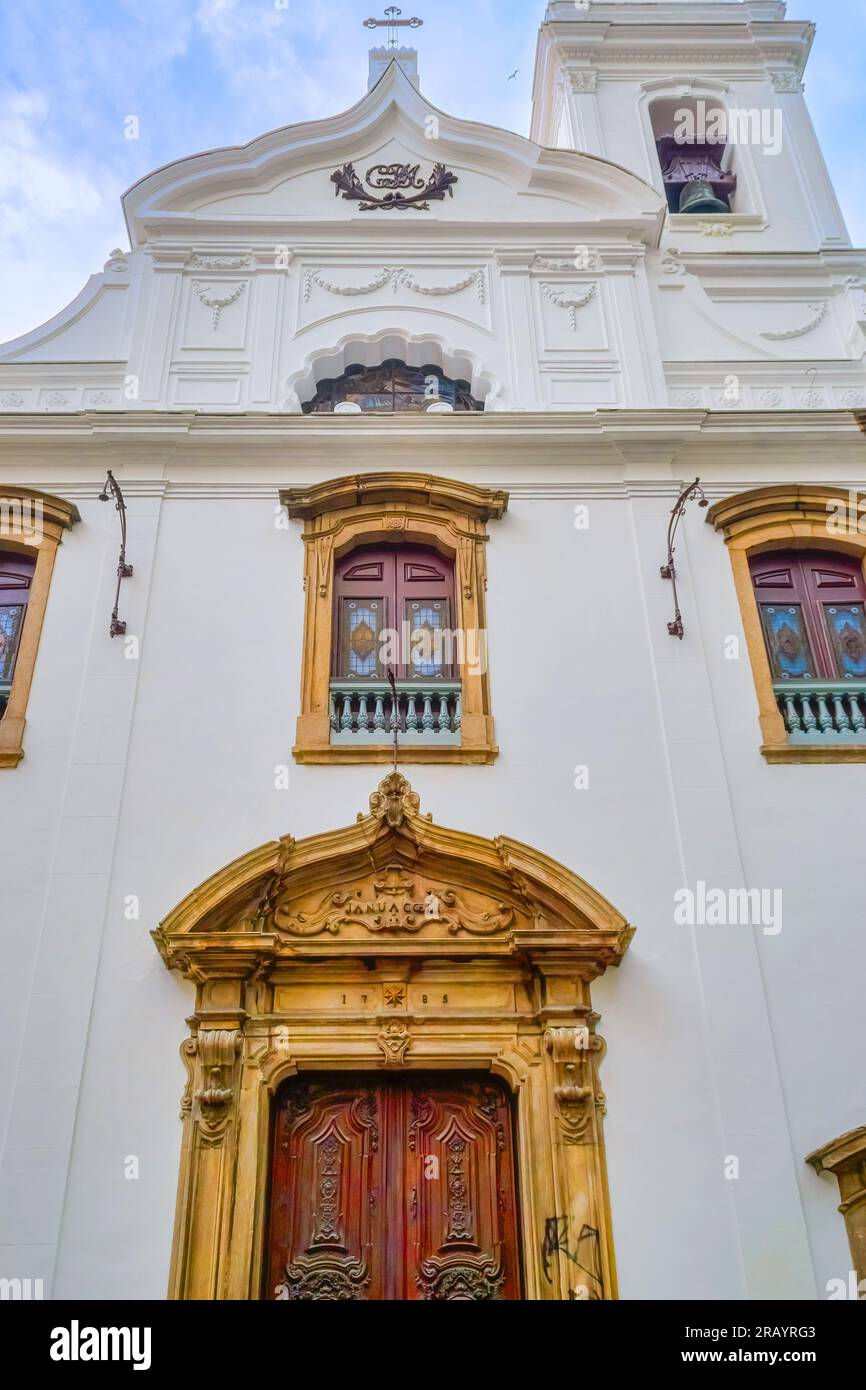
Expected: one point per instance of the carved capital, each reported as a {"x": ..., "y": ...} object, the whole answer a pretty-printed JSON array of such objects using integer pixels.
[{"x": 583, "y": 81}]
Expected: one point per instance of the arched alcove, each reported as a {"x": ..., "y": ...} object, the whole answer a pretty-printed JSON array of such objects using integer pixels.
[{"x": 357, "y": 351}]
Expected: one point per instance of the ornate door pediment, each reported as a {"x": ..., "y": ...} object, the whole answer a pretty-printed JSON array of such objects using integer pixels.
[
  {"x": 393, "y": 944},
  {"x": 392, "y": 883}
]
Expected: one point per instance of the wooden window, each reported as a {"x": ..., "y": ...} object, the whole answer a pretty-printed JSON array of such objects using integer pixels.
[
  {"x": 16, "y": 577},
  {"x": 798, "y": 554},
  {"x": 32, "y": 525},
  {"x": 813, "y": 614},
  {"x": 404, "y": 590},
  {"x": 403, "y": 548}
]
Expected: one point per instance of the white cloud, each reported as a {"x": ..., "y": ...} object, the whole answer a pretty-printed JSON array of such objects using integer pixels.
[{"x": 54, "y": 218}]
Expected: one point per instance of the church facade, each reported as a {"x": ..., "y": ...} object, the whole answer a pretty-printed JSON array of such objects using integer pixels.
[{"x": 433, "y": 702}]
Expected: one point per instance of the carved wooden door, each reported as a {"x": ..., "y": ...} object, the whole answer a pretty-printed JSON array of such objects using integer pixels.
[{"x": 393, "y": 1188}]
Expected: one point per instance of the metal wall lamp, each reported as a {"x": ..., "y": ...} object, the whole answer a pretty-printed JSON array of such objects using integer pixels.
[{"x": 669, "y": 571}]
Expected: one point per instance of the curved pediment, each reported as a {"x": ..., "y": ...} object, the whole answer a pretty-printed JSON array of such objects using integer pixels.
[
  {"x": 285, "y": 176},
  {"x": 394, "y": 883}
]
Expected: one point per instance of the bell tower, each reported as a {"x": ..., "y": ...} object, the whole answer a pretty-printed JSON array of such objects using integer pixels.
[{"x": 704, "y": 99}]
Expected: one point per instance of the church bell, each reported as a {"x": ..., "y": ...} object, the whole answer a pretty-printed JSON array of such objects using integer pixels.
[{"x": 699, "y": 196}]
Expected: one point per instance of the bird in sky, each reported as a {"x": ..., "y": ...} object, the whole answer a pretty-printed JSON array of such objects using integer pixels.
[{"x": 514, "y": 74}]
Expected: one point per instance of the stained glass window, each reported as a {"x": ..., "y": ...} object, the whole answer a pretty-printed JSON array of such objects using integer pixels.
[
  {"x": 428, "y": 622},
  {"x": 846, "y": 624},
  {"x": 11, "y": 623},
  {"x": 362, "y": 629},
  {"x": 787, "y": 644},
  {"x": 391, "y": 387}
]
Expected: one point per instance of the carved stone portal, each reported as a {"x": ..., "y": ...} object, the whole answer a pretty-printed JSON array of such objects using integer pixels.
[{"x": 398, "y": 946}]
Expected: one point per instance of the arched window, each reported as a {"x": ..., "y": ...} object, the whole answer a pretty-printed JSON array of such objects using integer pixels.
[
  {"x": 813, "y": 613},
  {"x": 391, "y": 387},
  {"x": 16, "y": 577}
]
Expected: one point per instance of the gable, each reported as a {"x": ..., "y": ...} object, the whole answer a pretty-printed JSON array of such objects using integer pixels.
[{"x": 286, "y": 175}]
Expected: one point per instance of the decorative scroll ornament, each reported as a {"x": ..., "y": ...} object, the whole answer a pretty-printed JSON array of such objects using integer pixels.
[
  {"x": 201, "y": 261},
  {"x": 399, "y": 907},
  {"x": 819, "y": 312},
  {"x": 392, "y": 800},
  {"x": 716, "y": 228},
  {"x": 564, "y": 301},
  {"x": 395, "y": 276},
  {"x": 393, "y": 1042},
  {"x": 786, "y": 81},
  {"x": 469, "y": 1281},
  {"x": 394, "y": 177},
  {"x": 587, "y": 258},
  {"x": 324, "y": 1283},
  {"x": 216, "y": 303}
]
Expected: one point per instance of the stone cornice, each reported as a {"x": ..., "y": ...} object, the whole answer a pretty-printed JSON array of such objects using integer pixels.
[{"x": 157, "y": 426}]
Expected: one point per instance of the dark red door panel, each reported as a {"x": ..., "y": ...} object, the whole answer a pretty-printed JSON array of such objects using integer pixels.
[{"x": 393, "y": 1188}]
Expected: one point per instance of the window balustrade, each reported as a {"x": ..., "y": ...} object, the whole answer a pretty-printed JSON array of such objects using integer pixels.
[{"x": 426, "y": 712}]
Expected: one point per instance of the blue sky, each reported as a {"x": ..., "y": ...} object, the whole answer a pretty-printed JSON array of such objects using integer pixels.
[{"x": 199, "y": 73}]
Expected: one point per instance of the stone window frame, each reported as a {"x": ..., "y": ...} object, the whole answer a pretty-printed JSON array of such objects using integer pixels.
[
  {"x": 791, "y": 516},
  {"x": 57, "y": 516},
  {"x": 343, "y": 513}
]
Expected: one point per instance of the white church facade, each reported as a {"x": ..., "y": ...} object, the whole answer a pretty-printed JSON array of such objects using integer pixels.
[{"x": 433, "y": 701}]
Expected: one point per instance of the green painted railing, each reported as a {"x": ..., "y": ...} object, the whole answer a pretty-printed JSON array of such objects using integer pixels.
[
  {"x": 427, "y": 711},
  {"x": 823, "y": 711}
]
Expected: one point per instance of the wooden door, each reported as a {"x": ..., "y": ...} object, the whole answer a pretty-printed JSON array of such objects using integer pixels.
[{"x": 394, "y": 1189}]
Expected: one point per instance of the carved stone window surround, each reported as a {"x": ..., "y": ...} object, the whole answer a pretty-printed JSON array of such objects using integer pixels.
[
  {"x": 270, "y": 1003},
  {"x": 346, "y": 512},
  {"x": 783, "y": 518},
  {"x": 56, "y": 516}
]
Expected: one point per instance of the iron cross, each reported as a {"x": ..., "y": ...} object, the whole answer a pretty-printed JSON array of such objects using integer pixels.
[{"x": 394, "y": 22}]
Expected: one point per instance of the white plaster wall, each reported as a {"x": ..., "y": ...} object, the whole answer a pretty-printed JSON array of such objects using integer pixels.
[{"x": 696, "y": 1025}]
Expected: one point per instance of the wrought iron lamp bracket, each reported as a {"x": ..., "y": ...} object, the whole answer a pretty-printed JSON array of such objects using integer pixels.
[
  {"x": 669, "y": 569},
  {"x": 111, "y": 488}
]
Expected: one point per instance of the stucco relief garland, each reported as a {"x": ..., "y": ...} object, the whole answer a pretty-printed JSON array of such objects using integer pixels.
[
  {"x": 216, "y": 303},
  {"x": 572, "y": 303},
  {"x": 395, "y": 275}
]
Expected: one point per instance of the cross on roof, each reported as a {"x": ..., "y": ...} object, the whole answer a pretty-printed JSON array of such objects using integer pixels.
[{"x": 394, "y": 22}]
